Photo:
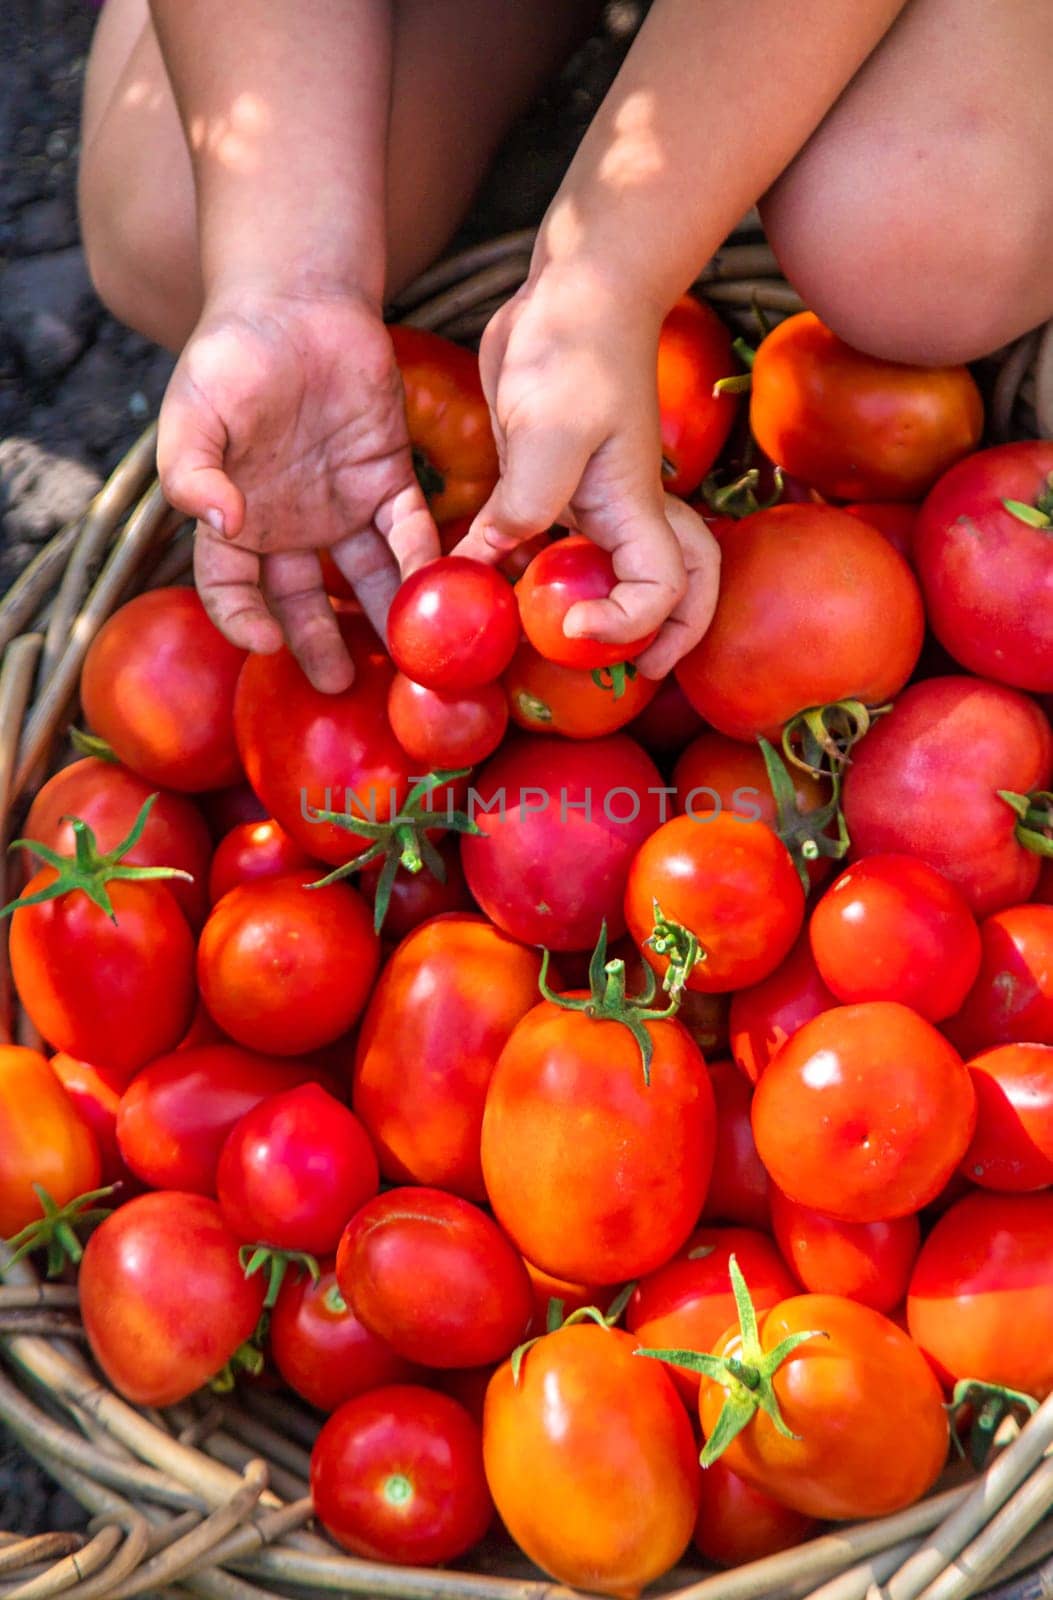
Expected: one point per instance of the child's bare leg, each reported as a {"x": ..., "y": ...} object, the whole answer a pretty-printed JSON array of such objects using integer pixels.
[
  {"x": 918, "y": 219},
  {"x": 462, "y": 73}
]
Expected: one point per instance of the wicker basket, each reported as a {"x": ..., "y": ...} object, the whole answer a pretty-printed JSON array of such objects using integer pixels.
[{"x": 211, "y": 1497}]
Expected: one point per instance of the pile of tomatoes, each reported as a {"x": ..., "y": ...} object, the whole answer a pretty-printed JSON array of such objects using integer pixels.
[{"x": 544, "y": 1071}]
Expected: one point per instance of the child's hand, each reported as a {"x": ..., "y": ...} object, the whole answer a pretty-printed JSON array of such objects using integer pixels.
[
  {"x": 283, "y": 432},
  {"x": 571, "y": 382}
]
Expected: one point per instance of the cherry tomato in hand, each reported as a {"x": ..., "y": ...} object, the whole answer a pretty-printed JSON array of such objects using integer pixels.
[
  {"x": 564, "y": 573},
  {"x": 453, "y": 624}
]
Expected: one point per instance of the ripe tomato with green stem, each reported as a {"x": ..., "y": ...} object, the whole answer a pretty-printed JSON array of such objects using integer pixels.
[
  {"x": 544, "y": 697},
  {"x": 321, "y": 1349},
  {"x": 563, "y": 574}
]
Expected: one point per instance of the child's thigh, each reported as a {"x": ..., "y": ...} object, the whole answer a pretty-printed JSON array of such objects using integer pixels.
[{"x": 918, "y": 220}]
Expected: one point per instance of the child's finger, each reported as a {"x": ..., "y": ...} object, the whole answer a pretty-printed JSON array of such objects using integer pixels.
[
  {"x": 297, "y": 598},
  {"x": 652, "y": 579},
  {"x": 228, "y": 581},
  {"x": 543, "y": 467},
  {"x": 190, "y": 451},
  {"x": 692, "y": 616}
]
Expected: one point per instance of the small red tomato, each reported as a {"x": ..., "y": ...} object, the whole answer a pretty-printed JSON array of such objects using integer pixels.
[
  {"x": 864, "y": 1113},
  {"x": 322, "y": 1350},
  {"x": 893, "y": 928},
  {"x": 294, "y": 1169},
  {"x": 96, "y": 1097},
  {"x": 453, "y": 625},
  {"x": 738, "y": 1523},
  {"x": 763, "y": 1017},
  {"x": 446, "y": 728},
  {"x": 694, "y": 353},
  {"x": 738, "y": 1189},
  {"x": 397, "y": 1475},
  {"x": 866, "y": 1261},
  {"x": 571, "y": 570},
  {"x": 1011, "y": 1001},
  {"x": 42, "y": 1140},
  {"x": 255, "y": 850},
  {"x": 434, "y": 1276},
  {"x": 544, "y": 697},
  {"x": 1012, "y": 1148}
]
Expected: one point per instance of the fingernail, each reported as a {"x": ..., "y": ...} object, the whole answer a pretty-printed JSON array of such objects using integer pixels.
[{"x": 214, "y": 518}]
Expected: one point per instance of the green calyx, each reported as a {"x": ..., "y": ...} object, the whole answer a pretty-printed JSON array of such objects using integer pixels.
[
  {"x": 741, "y": 382},
  {"x": 248, "y": 1357},
  {"x": 89, "y": 744},
  {"x": 989, "y": 1404},
  {"x": 429, "y": 477},
  {"x": 614, "y": 679},
  {"x": 56, "y": 1229},
  {"x": 555, "y": 1320},
  {"x": 90, "y": 869},
  {"x": 402, "y": 841},
  {"x": 607, "y": 1000},
  {"x": 739, "y": 498},
  {"x": 746, "y": 1378},
  {"x": 1034, "y": 813},
  {"x": 276, "y": 1263},
  {"x": 1039, "y": 514},
  {"x": 820, "y": 740},
  {"x": 533, "y": 708},
  {"x": 805, "y": 833}
]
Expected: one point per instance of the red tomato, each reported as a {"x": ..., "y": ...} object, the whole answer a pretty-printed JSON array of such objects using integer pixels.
[
  {"x": 737, "y": 1523},
  {"x": 96, "y": 1096},
  {"x": 286, "y": 968},
  {"x": 1011, "y": 1001},
  {"x": 591, "y": 1461},
  {"x": 730, "y": 882},
  {"x": 294, "y": 1169},
  {"x": 158, "y": 685},
  {"x": 665, "y": 725},
  {"x": 306, "y": 751},
  {"x": 561, "y": 821},
  {"x": 453, "y": 624},
  {"x": 397, "y": 1475},
  {"x": 694, "y": 353},
  {"x": 865, "y": 1113},
  {"x": 866, "y": 1261},
  {"x": 981, "y": 1298},
  {"x": 944, "y": 752},
  {"x": 688, "y": 1302},
  {"x": 447, "y": 729},
  {"x": 175, "y": 1115},
  {"x": 109, "y": 798},
  {"x": 853, "y": 426},
  {"x": 255, "y": 850},
  {"x": 546, "y": 698},
  {"x": 322, "y": 1350},
  {"x": 439, "y": 1017},
  {"x": 42, "y": 1140},
  {"x": 766, "y": 1015},
  {"x": 893, "y": 928},
  {"x": 399, "y": 1257},
  {"x": 987, "y": 573},
  {"x": 896, "y": 520},
  {"x": 163, "y": 1296},
  {"x": 416, "y": 897},
  {"x": 738, "y": 1189},
  {"x": 814, "y": 607},
  {"x": 564, "y": 573},
  {"x": 448, "y": 421},
  {"x": 1012, "y": 1148},
  {"x": 597, "y": 1174}
]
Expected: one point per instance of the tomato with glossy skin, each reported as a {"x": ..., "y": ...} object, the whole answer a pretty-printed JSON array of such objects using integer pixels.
[
  {"x": 96, "y": 1097},
  {"x": 561, "y": 821},
  {"x": 738, "y": 1189},
  {"x": 865, "y": 1113},
  {"x": 591, "y": 1461},
  {"x": 866, "y": 1261},
  {"x": 896, "y": 519},
  {"x": 852, "y": 425},
  {"x": 175, "y": 1115},
  {"x": 158, "y": 685},
  {"x": 738, "y": 1523},
  {"x": 453, "y": 625},
  {"x": 925, "y": 782},
  {"x": 115, "y": 993},
  {"x": 438, "y": 1019},
  {"x": 448, "y": 421},
  {"x": 1012, "y": 1148},
  {"x": 665, "y": 726},
  {"x": 164, "y": 1299},
  {"x": 731, "y": 883},
  {"x": 322, "y": 1350},
  {"x": 305, "y": 751},
  {"x": 284, "y": 968},
  {"x": 447, "y": 729},
  {"x": 42, "y": 1140},
  {"x": 564, "y": 573},
  {"x": 814, "y": 607},
  {"x": 987, "y": 574},
  {"x": 417, "y": 897},
  {"x": 688, "y": 1302},
  {"x": 1011, "y": 1001},
  {"x": 764, "y": 1016},
  {"x": 893, "y": 928},
  {"x": 872, "y": 1434},
  {"x": 694, "y": 353},
  {"x": 109, "y": 798},
  {"x": 544, "y": 697},
  {"x": 980, "y": 1302},
  {"x": 399, "y": 1256},
  {"x": 597, "y": 1175},
  {"x": 255, "y": 850}
]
